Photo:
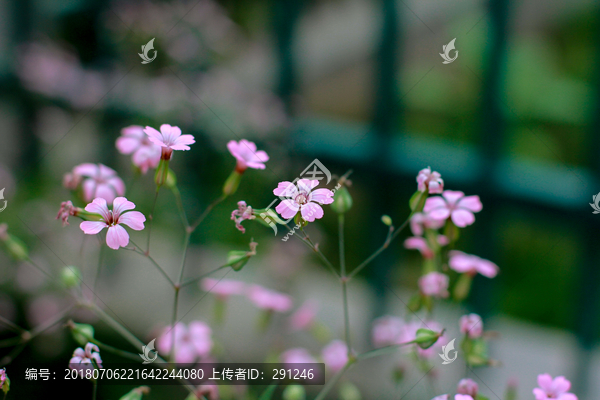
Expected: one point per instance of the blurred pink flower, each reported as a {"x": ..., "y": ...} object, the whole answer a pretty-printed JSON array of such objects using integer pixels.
[
  {"x": 211, "y": 392},
  {"x": 454, "y": 205},
  {"x": 242, "y": 213},
  {"x": 427, "y": 179},
  {"x": 297, "y": 355},
  {"x": 222, "y": 288},
  {"x": 146, "y": 154},
  {"x": 2, "y": 377},
  {"x": 191, "y": 342},
  {"x": 419, "y": 243},
  {"x": 463, "y": 397},
  {"x": 246, "y": 155},
  {"x": 116, "y": 236},
  {"x": 471, "y": 325},
  {"x": 434, "y": 284},
  {"x": 335, "y": 355},
  {"x": 470, "y": 264},
  {"x": 441, "y": 397},
  {"x": 71, "y": 181},
  {"x": 467, "y": 386},
  {"x": 170, "y": 138},
  {"x": 270, "y": 300},
  {"x": 101, "y": 181},
  {"x": 82, "y": 359},
  {"x": 386, "y": 331},
  {"x": 304, "y": 316},
  {"x": 421, "y": 221},
  {"x": 301, "y": 198},
  {"x": 549, "y": 389}
]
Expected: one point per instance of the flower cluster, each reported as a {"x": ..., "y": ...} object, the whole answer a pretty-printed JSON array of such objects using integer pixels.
[{"x": 84, "y": 359}]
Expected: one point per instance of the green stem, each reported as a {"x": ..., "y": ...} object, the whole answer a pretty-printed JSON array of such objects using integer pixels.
[
  {"x": 194, "y": 280},
  {"x": 305, "y": 239},
  {"x": 138, "y": 250},
  {"x": 333, "y": 381},
  {"x": 182, "y": 215},
  {"x": 173, "y": 321},
  {"x": 95, "y": 389},
  {"x": 391, "y": 236},
  {"x": 344, "y": 281},
  {"x": 150, "y": 219},
  {"x": 11, "y": 324},
  {"x": 98, "y": 269},
  {"x": 207, "y": 211}
]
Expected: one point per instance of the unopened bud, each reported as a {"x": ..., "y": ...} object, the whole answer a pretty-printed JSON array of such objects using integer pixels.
[
  {"x": 70, "y": 276},
  {"x": 13, "y": 245},
  {"x": 294, "y": 392},
  {"x": 342, "y": 201},
  {"x": 162, "y": 172},
  {"x": 236, "y": 259},
  {"x": 386, "y": 220},
  {"x": 232, "y": 183},
  {"x": 348, "y": 391},
  {"x": 426, "y": 338},
  {"x": 82, "y": 333}
]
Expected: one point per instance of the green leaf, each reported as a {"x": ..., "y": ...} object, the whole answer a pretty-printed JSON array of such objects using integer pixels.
[{"x": 268, "y": 393}]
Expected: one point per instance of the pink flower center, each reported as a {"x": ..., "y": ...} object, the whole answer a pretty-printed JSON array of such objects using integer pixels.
[
  {"x": 301, "y": 198},
  {"x": 112, "y": 220}
]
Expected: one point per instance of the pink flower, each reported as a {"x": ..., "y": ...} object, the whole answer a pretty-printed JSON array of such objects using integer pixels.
[
  {"x": 471, "y": 325},
  {"x": 335, "y": 355},
  {"x": 462, "y": 397},
  {"x": 297, "y": 355},
  {"x": 420, "y": 221},
  {"x": 242, "y": 213},
  {"x": 467, "y": 386},
  {"x": 246, "y": 155},
  {"x": 71, "y": 181},
  {"x": 191, "y": 342},
  {"x": 434, "y": 284},
  {"x": 470, "y": 264},
  {"x": 67, "y": 209},
  {"x": 557, "y": 388},
  {"x": 146, "y": 154},
  {"x": 430, "y": 180},
  {"x": 223, "y": 288},
  {"x": 419, "y": 243},
  {"x": 116, "y": 236},
  {"x": 82, "y": 359},
  {"x": 304, "y": 317},
  {"x": 269, "y": 300},
  {"x": 387, "y": 331},
  {"x": 170, "y": 138},
  {"x": 2, "y": 377},
  {"x": 441, "y": 397},
  {"x": 101, "y": 181},
  {"x": 301, "y": 198},
  {"x": 454, "y": 205},
  {"x": 211, "y": 392}
]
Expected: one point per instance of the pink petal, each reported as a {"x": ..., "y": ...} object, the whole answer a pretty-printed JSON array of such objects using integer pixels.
[
  {"x": 134, "y": 220},
  {"x": 117, "y": 237},
  {"x": 127, "y": 145},
  {"x": 185, "y": 139},
  {"x": 89, "y": 189},
  {"x": 92, "y": 227},
  {"x": 134, "y": 131},
  {"x": 121, "y": 204},
  {"x": 539, "y": 394},
  {"x": 173, "y": 131},
  {"x": 232, "y": 146},
  {"x": 117, "y": 184},
  {"x": 200, "y": 336},
  {"x": 462, "y": 218},
  {"x": 439, "y": 214},
  {"x": 246, "y": 144},
  {"x": 452, "y": 196},
  {"x": 285, "y": 189},
  {"x": 323, "y": 196},
  {"x": 154, "y": 135},
  {"x": 105, "y": 191},
  {"x": 184, "y": 353},
  {"x": 561, "y": 384},
  {"x": 255, "y": 165},
  {"x": 106, "y": 172},
  {"x": 311, "y": 211},
  {"x": 98, "y": 206},
  {"x": 567, "y": 396},
  {"x": 87, "y": 169},
  {"x": 306, "y": 185},
  {"x": 471, "y": 203},
  {"x": 434, "y": 203},
  {"x": 261, "y": 156},
  {"x": 490, "y": 270},
  {"x": 287, "y": 208},
  {"x": 545, "y": 381}
]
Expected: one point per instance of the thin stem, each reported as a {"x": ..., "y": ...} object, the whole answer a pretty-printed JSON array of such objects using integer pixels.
[
  {"x": 173, "y": 321},
  {"x": 392, "y": 234},
  {"x": 194, "y": 280},
  {"x": 150, "y": 219},
  {"x": 11, "y": 324},
  {"x": 344, "y": 282},
  {"x": 333, "y": 381},
  {"x": 114, "y": 350},
  {"x": 179, "y": 202},
  {"x": 305, "y": 239},
  {"x": 207, "y": 211},
  {"x": 95, "y": 389},
  {"x": 138, "y": 250},
  {"x": 98, "y": 269}
]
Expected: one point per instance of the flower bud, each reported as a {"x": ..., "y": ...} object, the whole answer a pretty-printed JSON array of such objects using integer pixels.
[
  {"x": 426, "y": 338},
  {"x": 171, "y": 180},
  {"x": 70, "y": 276},
  {"x": 476, "y": 352},
  {"x": 467, "y": 386},
  {"x": 13, "y": 245},
  {"x": 294, "y": 392},
  {"x": 162, "y": 172},
  {"x": 232, "y": 183},
  {"x": 236, "y": 259},
  {"x": 386, "y": 220},
  {"x": 342, "y": 201},
  {"x": 417, "y": 201},
  {"x": 136, "y": 394},
  {"x": 82, "y": 333},
  {"x": 348, "y": 391},
  {"x": 462, "y": 287}
]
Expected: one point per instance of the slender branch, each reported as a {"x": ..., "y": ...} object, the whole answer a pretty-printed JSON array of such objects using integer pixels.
[
  {"x": 344, "y": 281},
  {"x": 196, "y": 279},
  {"x": 150, "y": 219},
  {"x": 179, "y": 202},
  {"x": 98, "y": 269},
  {"x": 95, "y": 388},
  {"x": 333, "y": 381},
  {"x": 173, "y": 321},
  {"x": 316, "y": 249},
  {"x": 138, "y": 250},
  {"x": 207, "y": 211},
  {"x": 11, "y": 324}
]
